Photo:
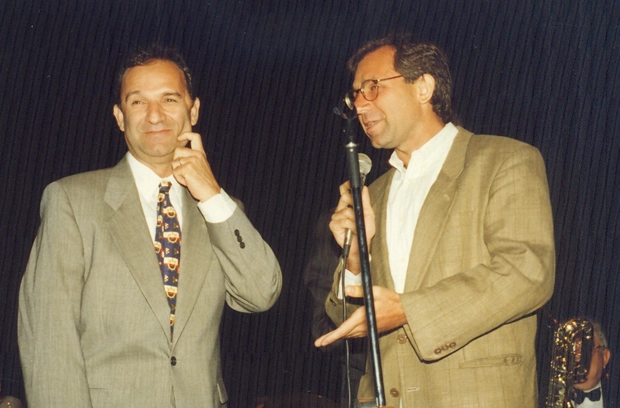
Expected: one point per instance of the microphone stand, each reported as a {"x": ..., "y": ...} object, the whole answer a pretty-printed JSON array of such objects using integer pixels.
[{"x": 371, "y": 320}]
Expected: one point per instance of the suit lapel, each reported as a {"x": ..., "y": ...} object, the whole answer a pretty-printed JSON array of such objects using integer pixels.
[
  {"x": 380, "y": 261},
  {"x": 195, "y": 259},
  {"x": 435, "y": 211},
  {"x": 133, "y": 240}
]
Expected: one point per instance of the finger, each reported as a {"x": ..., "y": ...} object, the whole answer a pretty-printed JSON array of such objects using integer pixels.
[
  {"x": 355, "y": 291},
  {"x": 194, "y": 139},
  {"x": 188, "y": 155},
  {"x": 345, "y": 201},
  {"x": 366, "y": 194},
  {"x": 340, "y": 223},
  {"x": 343, "y": 214},
  {"x": 327, "y": 339},
  {"x": 322, "y": 341},
  {"x": 344, "y": 330},
  {"x": 366, "y": 199},
  {"x": 180, "y": 159}
]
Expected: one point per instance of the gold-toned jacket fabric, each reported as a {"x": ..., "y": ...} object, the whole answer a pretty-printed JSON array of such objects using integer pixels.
[{"x": 482, "y": 262}]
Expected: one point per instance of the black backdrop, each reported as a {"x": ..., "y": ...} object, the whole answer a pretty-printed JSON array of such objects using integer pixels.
[{"x": 268, "y": 74}]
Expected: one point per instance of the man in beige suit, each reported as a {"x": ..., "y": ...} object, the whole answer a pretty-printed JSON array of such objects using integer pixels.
[
  {"x": 461, "y": 239},
  {"x": 95, "y": 325}
]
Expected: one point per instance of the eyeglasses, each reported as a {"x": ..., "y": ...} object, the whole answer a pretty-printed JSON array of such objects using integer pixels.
[{"x": 369, "y": 90}]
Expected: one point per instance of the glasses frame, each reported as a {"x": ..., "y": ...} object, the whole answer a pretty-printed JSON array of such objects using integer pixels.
[{"x": 351, "y": 96}]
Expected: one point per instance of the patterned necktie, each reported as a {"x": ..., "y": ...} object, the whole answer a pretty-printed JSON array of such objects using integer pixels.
[
  {"x": 593, "y": 395},
  {"x": 168, "y": 246}
]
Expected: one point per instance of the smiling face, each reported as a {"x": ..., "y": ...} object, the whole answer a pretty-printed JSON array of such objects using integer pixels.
[{"x": 155, "y": 109}]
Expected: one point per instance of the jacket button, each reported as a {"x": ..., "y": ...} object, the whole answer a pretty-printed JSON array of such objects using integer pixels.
[
  {"x": 394, "y": 393},
  {"x": 237, "y": 232},
  {"x": 242, "y": 245},
  {"x": 437, "y": 351},
  {"x": 173, "y": 361},
  {"x": 402, "y": 339}
]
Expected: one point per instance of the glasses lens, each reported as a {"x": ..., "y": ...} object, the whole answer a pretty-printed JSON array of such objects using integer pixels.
[{"x": 370, "y": 89}]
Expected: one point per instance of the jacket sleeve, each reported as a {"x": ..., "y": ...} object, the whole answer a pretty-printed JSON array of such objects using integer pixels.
[
  {"x": 515, "y": 271},
  {"x": 49, "y": 309},
  {"x": 252, "y": 273}
]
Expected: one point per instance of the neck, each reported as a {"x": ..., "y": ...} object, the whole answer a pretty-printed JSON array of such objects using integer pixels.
[
  {"x": 424, "y": 132},
  {"x": 163, "y": 169}
]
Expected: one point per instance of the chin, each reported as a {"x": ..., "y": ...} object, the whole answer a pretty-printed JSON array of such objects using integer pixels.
[
  {"x": 377, "y": 144},
  {"x": 374, "y": 140}
]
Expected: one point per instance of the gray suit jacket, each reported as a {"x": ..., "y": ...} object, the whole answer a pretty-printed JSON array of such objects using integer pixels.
[
  {"x": 93, "y": 317},
  {"x": 481, "y": 262}
]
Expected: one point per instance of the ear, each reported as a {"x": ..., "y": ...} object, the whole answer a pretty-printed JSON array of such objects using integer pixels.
[
  {"x": 606, "y": 357},
  {"x": 193, "y": 113},
  {"x": 120, "y": 118},
  {"x": 425, "y": 87}
]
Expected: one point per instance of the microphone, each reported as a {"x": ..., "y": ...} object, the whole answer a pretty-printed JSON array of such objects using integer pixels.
[
  {"x": 346, "y": 102},
  {"x": 365, "y": 166}
]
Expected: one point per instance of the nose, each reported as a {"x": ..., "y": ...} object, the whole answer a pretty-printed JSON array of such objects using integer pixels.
[
  {"x": 360, "y": 103},
  {"x": 154, "y": 114}
]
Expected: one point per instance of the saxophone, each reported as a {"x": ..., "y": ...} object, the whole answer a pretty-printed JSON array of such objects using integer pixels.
[{"x": 573, "y": 343}]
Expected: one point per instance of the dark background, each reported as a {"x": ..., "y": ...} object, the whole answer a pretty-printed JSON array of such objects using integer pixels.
[{"x": 268, "y": 74}]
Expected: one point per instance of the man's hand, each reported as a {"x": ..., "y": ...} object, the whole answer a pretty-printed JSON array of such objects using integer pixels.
[
  {"x": 344, "y": 219},
  {"x": 388, "y": 310},
  {"x": 192, "y": 170}
]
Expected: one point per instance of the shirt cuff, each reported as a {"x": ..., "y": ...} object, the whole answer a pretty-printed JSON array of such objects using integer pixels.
[
  {"x": 349, "y": 279},
  {"x": 218, "y": 208}
]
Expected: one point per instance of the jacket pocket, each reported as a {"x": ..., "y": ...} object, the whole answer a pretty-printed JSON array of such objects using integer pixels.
[{"x": 503, "y": 360}]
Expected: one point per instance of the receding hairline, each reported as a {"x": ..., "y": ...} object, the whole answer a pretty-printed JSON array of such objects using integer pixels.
[
  {"x": 154, "y": 52},
  {"x": 388, "y": 48},
  {"x": 151, "y": 62}
]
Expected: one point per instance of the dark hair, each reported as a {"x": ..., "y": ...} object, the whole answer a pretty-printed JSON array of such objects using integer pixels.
[
  {"x": 412, "y": 60},
  {"x": 145, "y": 56}
]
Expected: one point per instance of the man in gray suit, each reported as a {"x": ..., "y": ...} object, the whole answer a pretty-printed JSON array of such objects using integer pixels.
[
  {"x": 461, "y": 236},
  {"x": 95, "y": 323}
]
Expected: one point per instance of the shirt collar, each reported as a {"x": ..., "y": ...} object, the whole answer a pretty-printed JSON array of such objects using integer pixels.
[
  {"x": 436, "y": 147},
  {"x": 147, "y": 181}
]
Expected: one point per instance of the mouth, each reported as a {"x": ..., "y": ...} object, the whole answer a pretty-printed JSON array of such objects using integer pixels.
[
  {"x": 158, "y": 132},
  {"x": 368, "y": 125}
]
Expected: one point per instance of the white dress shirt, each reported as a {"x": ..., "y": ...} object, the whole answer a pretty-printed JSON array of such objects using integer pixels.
[
  {"x": 592, "y": 404},
  {"x": 219, "y": 208},
  {"x": 410, "y": 186}
]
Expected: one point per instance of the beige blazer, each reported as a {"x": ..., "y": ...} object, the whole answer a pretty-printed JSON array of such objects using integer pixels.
[
  {"x": 482, "y": 262},
  {"x": 93, "y": 317}
]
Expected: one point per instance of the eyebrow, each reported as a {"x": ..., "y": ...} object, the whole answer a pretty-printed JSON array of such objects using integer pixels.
[
  {"x": 167, "y": 93},
  {"x": 172, "y": 93}
]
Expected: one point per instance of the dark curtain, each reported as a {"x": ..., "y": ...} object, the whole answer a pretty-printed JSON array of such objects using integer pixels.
[{"x": 268, "y": 74}]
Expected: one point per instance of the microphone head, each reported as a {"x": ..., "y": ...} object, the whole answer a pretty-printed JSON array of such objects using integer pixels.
[
  {"x": 365, "y": 165},
  {"x": 340, "y": 110}
]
